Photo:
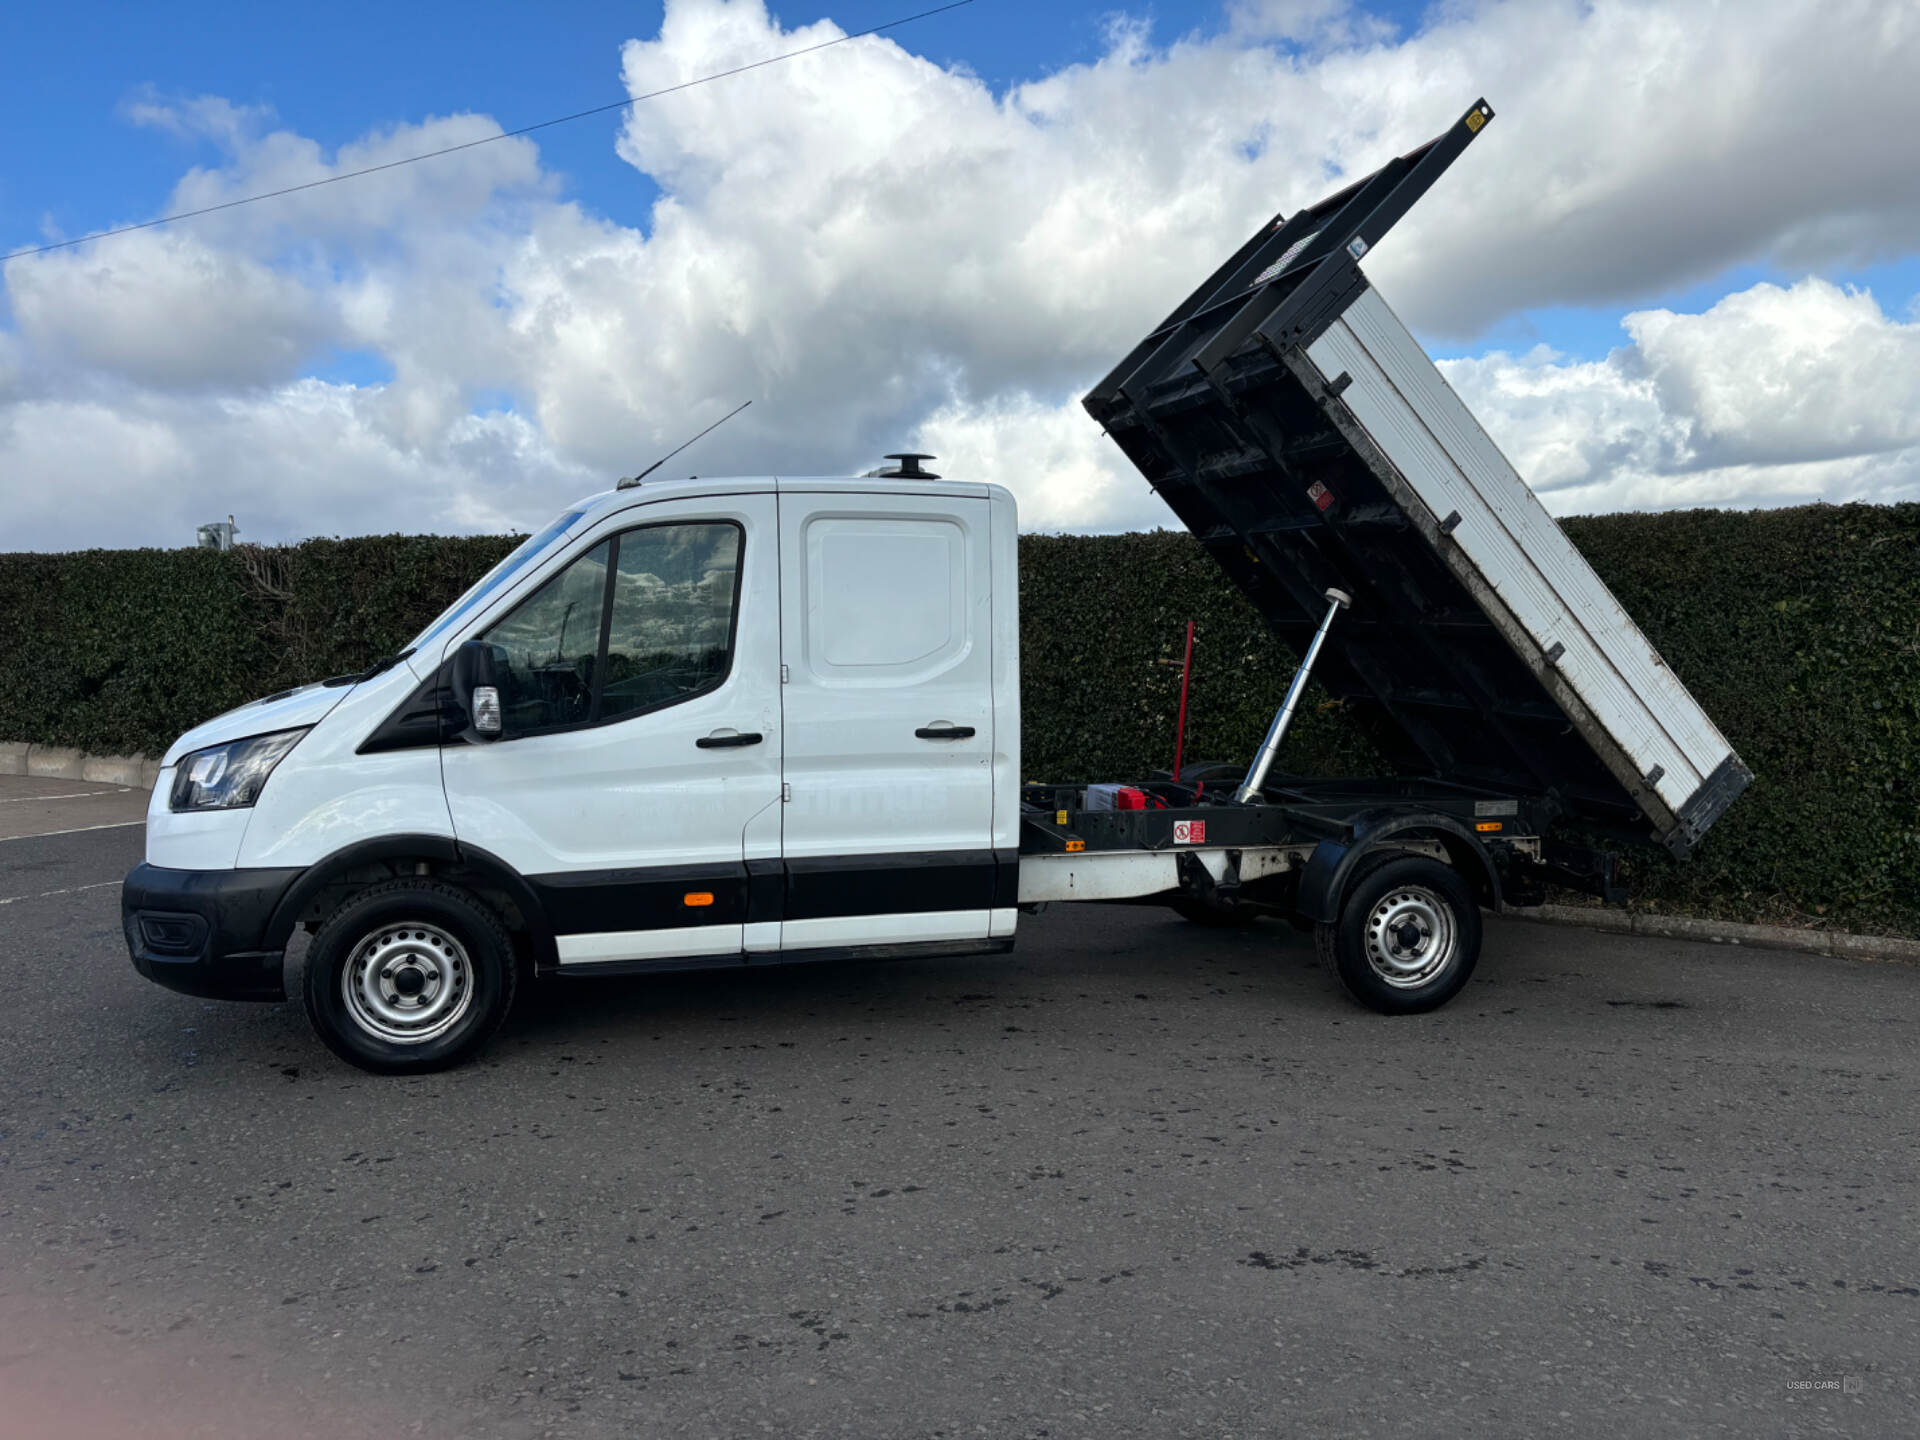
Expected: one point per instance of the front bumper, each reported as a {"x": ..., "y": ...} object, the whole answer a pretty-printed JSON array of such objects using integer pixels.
[{"x": 204, "y": 932}]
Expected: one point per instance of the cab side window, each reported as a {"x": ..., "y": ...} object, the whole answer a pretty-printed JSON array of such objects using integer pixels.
[
  {"x": 547, "y": 650},
  {"x": 886, "y": 599},
  {"x": 641, "y": 621},
  {"x": 671, "y": 634}
]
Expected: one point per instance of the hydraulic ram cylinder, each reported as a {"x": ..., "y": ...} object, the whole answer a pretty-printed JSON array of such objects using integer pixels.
[{"x": 1276, "y": 732}]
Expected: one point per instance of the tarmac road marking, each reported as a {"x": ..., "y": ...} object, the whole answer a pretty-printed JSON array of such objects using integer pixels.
[
  {"x": 70, "y": 795},
  {"x": 77, "y": 830},
  {"x": 69, "y": 890}
]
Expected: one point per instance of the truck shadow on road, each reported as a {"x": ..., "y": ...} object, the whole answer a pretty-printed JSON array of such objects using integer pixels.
[
  {"x": 1123, "y": 973},
  {"x": 1062, "y": 964}
]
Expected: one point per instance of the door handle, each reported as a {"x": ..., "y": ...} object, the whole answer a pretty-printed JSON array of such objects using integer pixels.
[
  {"x": 940, "y": 730},
  {"x": 717, "y": 741}
]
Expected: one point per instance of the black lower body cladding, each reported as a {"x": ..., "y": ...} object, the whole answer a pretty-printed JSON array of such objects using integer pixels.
[
  {"x": 803, "y": 888},
  {"x": 203, "y": 932}
]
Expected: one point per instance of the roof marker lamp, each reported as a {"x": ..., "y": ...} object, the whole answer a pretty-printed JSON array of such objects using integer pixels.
[{"x": 229, "y": 776}]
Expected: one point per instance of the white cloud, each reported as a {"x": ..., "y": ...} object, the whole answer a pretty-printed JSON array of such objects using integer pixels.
[
  {"x": 166, "y": 310},
  {"x": 881, "y": 252},
  {"x": 1773, "y": 376},
  {"x": 405, "y": 206},
  {"x": 1641, "y": 145},
  {"x": 1064, "y": 472},
  {"x": 133, "y": 468},
  {"x": 1773, "y": 396},
  {"x": 200, "y": 117},
  {"x": 1321, "y": 22}
]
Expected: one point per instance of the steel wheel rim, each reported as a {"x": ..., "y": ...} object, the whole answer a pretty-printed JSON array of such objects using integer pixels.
[
  {"x": 407, "y": 984},
  {"x": 1411, "y": 936}
]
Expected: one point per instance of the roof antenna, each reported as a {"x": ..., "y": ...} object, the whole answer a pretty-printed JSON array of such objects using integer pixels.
[{"x": 633, "y": 480}]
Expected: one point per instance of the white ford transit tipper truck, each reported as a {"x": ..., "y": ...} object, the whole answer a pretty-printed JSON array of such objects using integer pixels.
[{"x": 700, "y": 722}]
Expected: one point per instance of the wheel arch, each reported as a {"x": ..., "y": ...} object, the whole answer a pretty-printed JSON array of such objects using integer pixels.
[
  {"x": 1331, "y": 867},
  {"x": 484, "y": 874}
]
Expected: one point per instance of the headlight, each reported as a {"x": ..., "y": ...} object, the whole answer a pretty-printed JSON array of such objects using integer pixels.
[{"x": 229, "y": 776}]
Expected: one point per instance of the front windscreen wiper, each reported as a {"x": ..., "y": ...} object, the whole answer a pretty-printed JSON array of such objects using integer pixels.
[{"x": 378, "y": 667}]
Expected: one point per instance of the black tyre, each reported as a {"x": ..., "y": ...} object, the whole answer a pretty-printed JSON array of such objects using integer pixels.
[
  {"x": 1407, "y": 938},
  {"x": 1214, "y": 913},
  {"x": 409, "y": 976}
]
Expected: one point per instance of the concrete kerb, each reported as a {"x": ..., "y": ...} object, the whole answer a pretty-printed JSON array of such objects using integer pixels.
[
  {"x": 57, "y": 762},
  {"x": 132, "y": 770},
  {"x": 1725, "y": 932}
]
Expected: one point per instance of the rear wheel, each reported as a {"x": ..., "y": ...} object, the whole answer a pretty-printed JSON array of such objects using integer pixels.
[
  {"x": 409, "y": 976},
  {"x": 1407, "y": 938}
]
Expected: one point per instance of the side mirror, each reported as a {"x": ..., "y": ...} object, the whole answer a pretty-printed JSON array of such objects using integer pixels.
[{"x": 475, "y": 682}]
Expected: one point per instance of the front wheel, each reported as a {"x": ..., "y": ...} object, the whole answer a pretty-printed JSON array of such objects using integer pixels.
[
  {"x": 1407, "y": 938},
  {"x": 410, "y": 976}
]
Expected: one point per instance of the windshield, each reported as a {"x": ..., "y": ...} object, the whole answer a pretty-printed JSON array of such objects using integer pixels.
[{"x": 530, "y": 550}]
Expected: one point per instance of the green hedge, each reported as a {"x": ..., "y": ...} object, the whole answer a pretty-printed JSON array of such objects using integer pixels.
[
  {"x": 1799, "y": 630},
  {"x": 119, "y": 651}
]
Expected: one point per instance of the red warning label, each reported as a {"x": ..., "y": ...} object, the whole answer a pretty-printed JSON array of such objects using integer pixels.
[
  {"x": 1189, "y": 832},
  {"x": 1319, "y": 495}
]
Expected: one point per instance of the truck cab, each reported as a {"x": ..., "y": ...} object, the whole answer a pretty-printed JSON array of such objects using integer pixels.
[{"x": 690, "y": 723}]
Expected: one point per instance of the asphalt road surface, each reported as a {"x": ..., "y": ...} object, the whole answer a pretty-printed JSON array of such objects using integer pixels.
[{"x": 1135, "y": 1179}]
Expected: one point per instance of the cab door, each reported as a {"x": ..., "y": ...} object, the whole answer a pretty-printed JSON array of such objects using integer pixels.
[
  {"x": 888, "y": 714},
  {"x": 640, "y": 766}
]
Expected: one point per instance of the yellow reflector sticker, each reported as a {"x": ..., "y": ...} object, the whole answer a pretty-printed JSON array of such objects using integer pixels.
[
  {"x": 1487, "y": 827},
  {"x": 1475, "y": 119},
  {"x": 697, "y": 898},
  {"x": 1059, "y": 817},
  {"x": 1074, "y": 846}
]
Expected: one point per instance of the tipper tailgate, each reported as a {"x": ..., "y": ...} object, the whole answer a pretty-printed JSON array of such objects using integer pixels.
[{"x": 1304, "y": 436}]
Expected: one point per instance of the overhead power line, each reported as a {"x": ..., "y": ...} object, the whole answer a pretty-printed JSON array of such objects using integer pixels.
[{"x": 487, "y": 139}]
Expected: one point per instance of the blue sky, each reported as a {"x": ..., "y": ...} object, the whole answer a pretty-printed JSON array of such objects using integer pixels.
[
  {"x": 1749, "y": 170},
  {"x": 334, "y": 72}
]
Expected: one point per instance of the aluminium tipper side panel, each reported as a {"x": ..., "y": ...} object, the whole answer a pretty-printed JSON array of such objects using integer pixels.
[
  {"x": 1532, "y": 582},
  {"x": 1285, "y": 490}
]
